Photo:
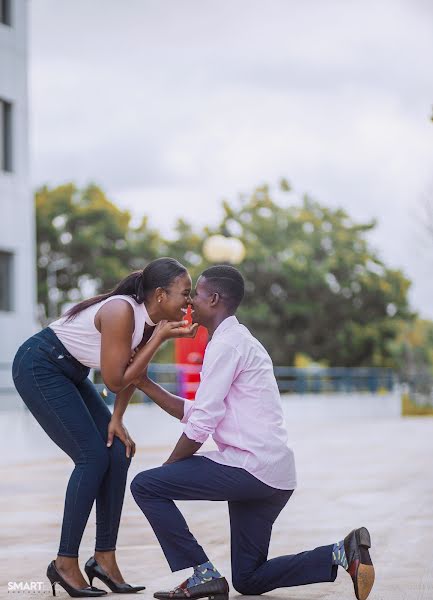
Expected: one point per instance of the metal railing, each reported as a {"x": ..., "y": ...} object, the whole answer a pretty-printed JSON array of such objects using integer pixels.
[
  {"x": 317, "y": 380},
  {"x": 310, "y": 380},
  {"x": 174, "y": 378}
]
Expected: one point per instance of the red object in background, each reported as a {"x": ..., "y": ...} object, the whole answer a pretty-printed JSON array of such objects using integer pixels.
[{"x": 190, "y": 352}]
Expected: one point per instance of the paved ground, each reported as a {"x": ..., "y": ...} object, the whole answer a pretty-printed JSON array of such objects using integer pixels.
[{"x": 358, "y": 463}]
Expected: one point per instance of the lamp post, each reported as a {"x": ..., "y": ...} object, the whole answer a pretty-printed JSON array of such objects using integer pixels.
[{"x": 220, "y": 249}]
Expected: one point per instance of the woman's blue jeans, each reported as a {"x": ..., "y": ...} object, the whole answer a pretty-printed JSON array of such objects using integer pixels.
[{"x": 55, "y": 388}]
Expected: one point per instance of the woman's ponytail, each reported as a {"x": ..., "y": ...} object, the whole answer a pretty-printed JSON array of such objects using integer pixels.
[{"x": 139, "y": 284}]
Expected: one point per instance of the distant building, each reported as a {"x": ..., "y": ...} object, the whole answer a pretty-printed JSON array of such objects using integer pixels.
[{"x": 17, "y": 222}]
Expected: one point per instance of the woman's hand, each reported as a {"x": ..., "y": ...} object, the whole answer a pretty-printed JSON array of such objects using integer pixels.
[
  {"x": 133, "y": 353},
  {"x": 157, "y": 329},
  {"x": 118, "y": 429},
  {"x": 166, "y": 330}
]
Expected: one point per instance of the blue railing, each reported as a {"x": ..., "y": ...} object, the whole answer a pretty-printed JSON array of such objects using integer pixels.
[
  {"x": 311, "y": 380},
  {"x": 334, "y": 379},
  {"x": 294, "y": 380},
  {"x": 171, "y": 377}
]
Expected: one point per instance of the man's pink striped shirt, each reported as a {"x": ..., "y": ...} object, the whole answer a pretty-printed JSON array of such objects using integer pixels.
[{"x": 238, "y": 403}]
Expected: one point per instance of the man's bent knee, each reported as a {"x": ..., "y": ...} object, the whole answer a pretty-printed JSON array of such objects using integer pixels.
[
  {"x": 245, "y": 585},
  {"x": 140, "y": 487},
  {"x": 148, "y": 484}
]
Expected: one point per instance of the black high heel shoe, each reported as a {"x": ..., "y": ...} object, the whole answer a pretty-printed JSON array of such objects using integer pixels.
[
  {"x": 55, "y": 577},
  {"x": 94, "y": 570}
]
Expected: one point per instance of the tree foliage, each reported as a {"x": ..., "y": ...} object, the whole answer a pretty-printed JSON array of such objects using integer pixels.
[
  {"x": 412, "y": 349},
  {"x": 87, "y": 241},
  {"x": 314, "y": 285}
]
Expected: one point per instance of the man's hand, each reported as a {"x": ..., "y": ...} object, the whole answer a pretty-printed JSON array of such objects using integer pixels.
[
  {"x": 118, "y": 429},
  {"x": 166, "y": 330}
]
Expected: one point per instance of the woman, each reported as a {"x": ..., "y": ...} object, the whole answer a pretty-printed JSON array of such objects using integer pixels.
[{"x": 50, "y": 373}]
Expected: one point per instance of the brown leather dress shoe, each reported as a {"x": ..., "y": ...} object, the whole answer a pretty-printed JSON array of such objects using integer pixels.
[
  {"x": 361, "y": 569},
  {"x": 217, "y": 589}
]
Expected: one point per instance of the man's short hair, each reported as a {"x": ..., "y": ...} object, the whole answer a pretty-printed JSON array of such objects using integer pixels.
[{"x": 227, "y": 282}]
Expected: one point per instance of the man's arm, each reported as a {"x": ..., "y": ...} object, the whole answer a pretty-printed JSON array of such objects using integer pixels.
[
  {"x": 220, "y": 368},
  {"x": 204, "y": 414},
  {"x": 183, "y": 449},
  {"x": 173, "y": 405}
]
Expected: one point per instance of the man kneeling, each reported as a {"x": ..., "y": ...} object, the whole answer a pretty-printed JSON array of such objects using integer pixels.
[{"x": 238, "y": 404}]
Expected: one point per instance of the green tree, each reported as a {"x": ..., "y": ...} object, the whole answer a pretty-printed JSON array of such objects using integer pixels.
[
  {"x": 84, "y": 241},
  {"x": 313, "y": 284},
  {"x": 412, "y": 348},
  {"x": 186, "y": 246}
]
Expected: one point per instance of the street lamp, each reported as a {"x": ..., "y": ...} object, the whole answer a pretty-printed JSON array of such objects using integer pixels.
[{"x": 220, "y": 249}]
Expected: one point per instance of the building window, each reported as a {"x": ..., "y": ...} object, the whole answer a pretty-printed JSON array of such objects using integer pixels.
[
  {"x": 6, "y": 280},
  {"x": 5, "y": 136},
  {"x": 5, "y": 12}
]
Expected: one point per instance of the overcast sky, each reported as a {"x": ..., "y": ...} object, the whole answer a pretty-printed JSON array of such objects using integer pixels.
[{"x": 172, "y": 105}]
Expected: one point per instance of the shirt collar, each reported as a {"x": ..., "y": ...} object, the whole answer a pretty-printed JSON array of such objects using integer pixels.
[
  {"x": 224, "y": 325},
  {"x": 147, "y": 319}
]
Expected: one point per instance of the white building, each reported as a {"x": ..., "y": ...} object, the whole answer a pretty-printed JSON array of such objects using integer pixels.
[{"x": 17, "y": 229}]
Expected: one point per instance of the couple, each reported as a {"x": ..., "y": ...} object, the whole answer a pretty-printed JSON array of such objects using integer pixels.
[{"x": 237, "y": 403}]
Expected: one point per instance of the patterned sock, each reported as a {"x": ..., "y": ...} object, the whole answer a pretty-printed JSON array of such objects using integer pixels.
[
  {"x": 202, "y": 574},
  {"x": 339, "y": 555}
]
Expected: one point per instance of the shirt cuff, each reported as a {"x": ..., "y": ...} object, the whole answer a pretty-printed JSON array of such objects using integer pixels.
[
  {"x": 187, "y": 408},
  {"x": 195, "y": 434}
]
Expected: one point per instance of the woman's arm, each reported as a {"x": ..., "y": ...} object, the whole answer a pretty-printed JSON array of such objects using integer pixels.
[
  {"x": 122, "y": 401},
  {"x": 116, "y": 324}
]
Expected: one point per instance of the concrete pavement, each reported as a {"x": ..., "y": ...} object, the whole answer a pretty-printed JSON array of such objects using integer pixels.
[{"x": 358, "y": 464}]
